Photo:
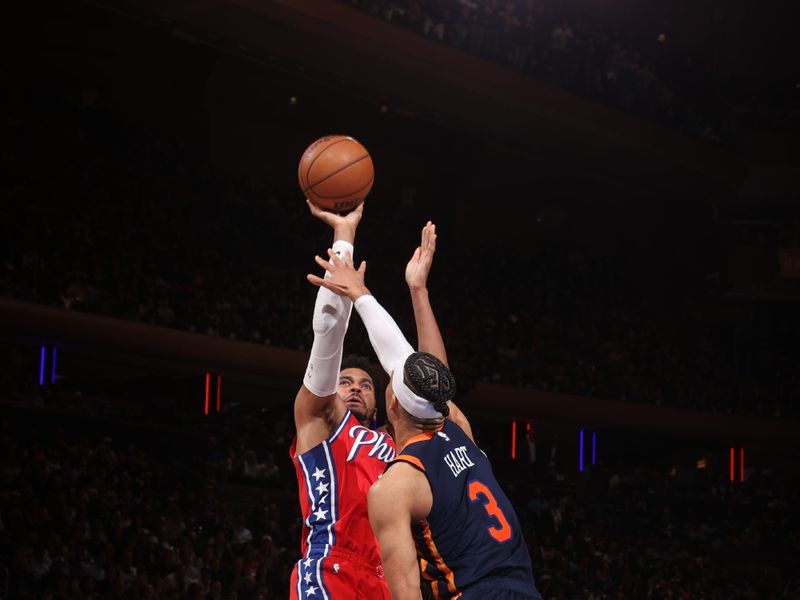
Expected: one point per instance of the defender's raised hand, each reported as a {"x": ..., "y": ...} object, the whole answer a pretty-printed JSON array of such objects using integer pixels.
[
  {"x": 419, "y": 266},
  {"x": 342, "y": 277}
]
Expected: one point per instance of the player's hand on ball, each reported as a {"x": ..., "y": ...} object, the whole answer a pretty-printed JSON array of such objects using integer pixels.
[
  {"x": 419, "y": 267},
  {"x": 343, "y": 279},
  {"x": 339, "y": 222}
]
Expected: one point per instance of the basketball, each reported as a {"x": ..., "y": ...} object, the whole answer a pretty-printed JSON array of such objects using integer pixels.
[{"x": 336, "y": 173}]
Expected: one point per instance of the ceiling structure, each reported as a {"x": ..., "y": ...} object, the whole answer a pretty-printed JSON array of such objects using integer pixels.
[{"x": 332, "y": 44}]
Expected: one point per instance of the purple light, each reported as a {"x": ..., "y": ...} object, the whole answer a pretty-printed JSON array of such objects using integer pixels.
[
  {"x": 580, "y": 452},
  {"x": 41, "y": 367},
  {"x": 53, "y": 369},
  {"x": 594, "y": 447}
]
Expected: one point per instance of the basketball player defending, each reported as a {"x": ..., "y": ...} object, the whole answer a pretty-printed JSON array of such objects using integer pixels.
[
  {"x": 440, "y": 493},
  {"x": 336, "y": 456}
]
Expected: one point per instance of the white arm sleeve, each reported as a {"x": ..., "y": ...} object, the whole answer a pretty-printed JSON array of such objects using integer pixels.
[
  {"x": 385, "y": 336},
  {"x": 331, "y": 317}
]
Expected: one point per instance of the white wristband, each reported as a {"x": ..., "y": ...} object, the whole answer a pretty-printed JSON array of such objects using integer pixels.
[{"x": 340, "y": 247}]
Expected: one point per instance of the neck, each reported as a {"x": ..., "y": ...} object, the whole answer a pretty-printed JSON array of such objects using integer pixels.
[
  {"x": 406, "y": 429},
  {"x": 338, "y": 413}
]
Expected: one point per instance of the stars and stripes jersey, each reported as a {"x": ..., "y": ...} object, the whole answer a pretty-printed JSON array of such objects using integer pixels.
[
  {"x": 472, "y": 540},
  {"x": 333, "y": 479}
]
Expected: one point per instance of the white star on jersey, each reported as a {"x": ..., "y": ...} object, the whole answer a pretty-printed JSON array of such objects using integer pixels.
[
  {"x": 318, "y": 474},
  {"x": 322, "y": 488},
  {"x": 307, "y": 578},
  {"x": 320, "y": 514},
  {"x": 308, "y": 562},
  {"x": 312, "y": 591}
]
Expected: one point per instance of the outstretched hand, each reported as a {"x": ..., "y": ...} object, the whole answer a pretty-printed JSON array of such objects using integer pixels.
[
  {"x": 419, "y": 267},
  {"x": 344, "y": 226},
  {"x": 344, "y": 279}
]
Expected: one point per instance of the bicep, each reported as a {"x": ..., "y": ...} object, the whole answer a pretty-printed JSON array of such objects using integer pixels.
[
  {"x": 307, "y": 405},
  {"x": 311, "y": 416}
]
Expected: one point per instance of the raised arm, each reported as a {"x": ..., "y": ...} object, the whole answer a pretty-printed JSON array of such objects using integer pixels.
[
  {"x": 428, "y": 333},
  {"x": 342, "y": 278},
  {"x": 385, "y": 336},
  {"x": 417, "y": 271},
  {"x": 331, "y": 317}
]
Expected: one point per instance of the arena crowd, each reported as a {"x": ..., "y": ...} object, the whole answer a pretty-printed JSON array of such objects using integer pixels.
[
  {"x": 568, "y": 45},
  {"x": 97, "y": 516},
  {"x": 118, "y": 221}
]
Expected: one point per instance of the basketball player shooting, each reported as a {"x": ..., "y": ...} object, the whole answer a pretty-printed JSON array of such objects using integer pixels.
[
  {"x": 336, "y": 456},
  {"x": 439, "y": 499}
]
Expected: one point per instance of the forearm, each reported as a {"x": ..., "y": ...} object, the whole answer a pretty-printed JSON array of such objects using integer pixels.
[
  {"x": 404, "y": 585},
  {"x": 428, "y": 333},
  {"x": 399, "y": 558},
  {"x": 385, "y": 336},
  {"x": 430, "y": 340},
  {"x": 330, "y": 321},
  {"x": 344, "y": 232}
]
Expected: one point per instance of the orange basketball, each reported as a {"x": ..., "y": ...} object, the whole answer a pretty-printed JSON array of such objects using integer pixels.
[{"x": 336, "y": 173}]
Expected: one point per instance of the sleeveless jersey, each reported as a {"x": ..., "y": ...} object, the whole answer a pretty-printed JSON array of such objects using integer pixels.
[
  {"x": 472, "y": 538},
  {"x": 333, "y": 479}
]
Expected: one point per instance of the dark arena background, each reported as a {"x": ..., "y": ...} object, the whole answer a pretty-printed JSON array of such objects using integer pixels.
[{"x": 615, "y": 185}]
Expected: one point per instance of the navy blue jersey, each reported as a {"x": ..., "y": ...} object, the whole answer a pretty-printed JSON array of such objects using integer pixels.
[{"x": 472, "y": 536}]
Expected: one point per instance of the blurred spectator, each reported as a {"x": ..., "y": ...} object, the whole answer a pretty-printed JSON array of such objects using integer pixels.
[{"x": 577, "y": 324}]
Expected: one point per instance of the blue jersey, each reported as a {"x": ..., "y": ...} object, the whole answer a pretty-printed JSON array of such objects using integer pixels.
[{"x": 472, "y": 538}]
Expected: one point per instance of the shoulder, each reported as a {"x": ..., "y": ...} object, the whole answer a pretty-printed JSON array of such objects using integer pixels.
[
  {"x": 402, "y": 487},
  {"x": 314, "y": 432}
]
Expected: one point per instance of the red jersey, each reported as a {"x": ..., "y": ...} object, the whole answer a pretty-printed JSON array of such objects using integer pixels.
[{"x": 333, "y": 479}]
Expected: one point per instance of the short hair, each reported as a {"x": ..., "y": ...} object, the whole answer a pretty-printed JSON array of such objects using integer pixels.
[
  {"x": 429, "y": 377},
  {"x": 355, "y": 361}
]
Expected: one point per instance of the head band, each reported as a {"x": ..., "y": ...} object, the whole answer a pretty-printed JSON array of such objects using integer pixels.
[{"x": 416, "y": 406}]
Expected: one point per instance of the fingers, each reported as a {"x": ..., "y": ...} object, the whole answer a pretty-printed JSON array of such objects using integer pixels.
[
  {"x": 315, "y": 210},
  {"x": 326, "y": 283},
  {"x": 325, "y": 216},
  {"x": 346, "y": 261},
  {"x": 429, "y": 238},
  {"x": 428, "y": 233},
  {"x": 362, "y": 268},
  {"x": 324, "y": 263},
  {"x": 334, "y": 262},
  {"x": 425, "y": 232},
  {"x": 317, "y": 281},
  {"x": 359, "y": 211}
]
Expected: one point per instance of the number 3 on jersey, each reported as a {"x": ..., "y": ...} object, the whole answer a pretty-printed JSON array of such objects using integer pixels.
[{"x": 478, "y": 492}]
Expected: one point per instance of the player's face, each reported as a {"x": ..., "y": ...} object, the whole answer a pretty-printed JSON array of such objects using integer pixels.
[{"x": 357, "y": 391}]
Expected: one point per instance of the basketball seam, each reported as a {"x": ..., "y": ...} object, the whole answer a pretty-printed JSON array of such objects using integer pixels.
[
  {"x": 336, "y": 172},
  {"x": 371, "y": 179},
  {"x": 316, "y": 158}
]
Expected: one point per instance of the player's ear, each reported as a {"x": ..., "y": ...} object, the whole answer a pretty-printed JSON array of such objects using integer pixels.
[{"x": 391, "y": 401}]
